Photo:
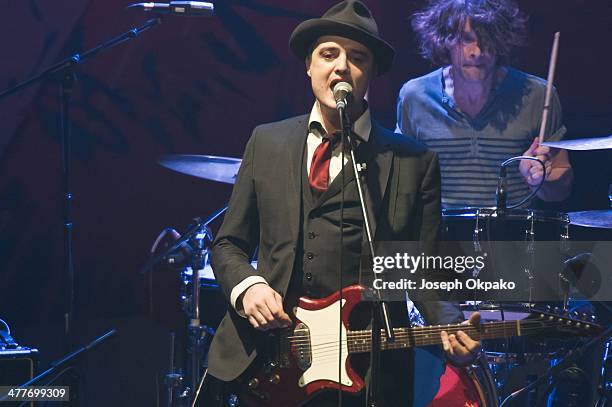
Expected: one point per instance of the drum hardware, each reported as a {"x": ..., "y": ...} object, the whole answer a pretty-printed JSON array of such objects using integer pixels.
[
  {"x": 584, "y": 144},
  {"x": 64, "y": 367},
  {"x": 559, "y": 368},
  {"x": 530, "y": 239},
  {"x": 500, "y": 193},
  {"x": 605, "y": 377},
  {"x": 195, "y": 246},
  {"x": 477, "y": 232},
  {"x": 210, "y": 167},
  {"x": 182, "y": 241},
  {"x": 601, "y": 219},
  {"x": 480, "y": 373}
]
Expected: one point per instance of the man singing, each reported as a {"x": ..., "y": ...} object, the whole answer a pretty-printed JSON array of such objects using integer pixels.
[{"x": 287, "y": 202}]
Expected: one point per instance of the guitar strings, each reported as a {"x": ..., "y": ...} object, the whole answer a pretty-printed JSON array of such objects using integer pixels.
[
  {"x": 417, "y": 339},
  {"x": 429, "y": 330},
  {"x": 323, "y": 350}
]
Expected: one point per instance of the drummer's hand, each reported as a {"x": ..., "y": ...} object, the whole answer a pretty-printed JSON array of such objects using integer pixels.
[
  {"x": 264, "y": 307},
  {"x": 461, "y": 350},
  {"x": 532, "y": 171}
]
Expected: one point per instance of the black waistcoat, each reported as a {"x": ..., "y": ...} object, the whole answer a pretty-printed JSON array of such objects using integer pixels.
[{"x": 316, "y": 275}]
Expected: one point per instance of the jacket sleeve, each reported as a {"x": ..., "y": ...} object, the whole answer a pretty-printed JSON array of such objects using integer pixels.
[{"x": 237, "y": 238}]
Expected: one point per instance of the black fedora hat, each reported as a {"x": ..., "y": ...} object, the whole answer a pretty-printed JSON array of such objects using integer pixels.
[{"x": 349, "y": 19}]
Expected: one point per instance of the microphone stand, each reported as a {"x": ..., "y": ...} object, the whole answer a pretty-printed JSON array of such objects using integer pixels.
[
  {"x": 67, "y": 361},
  {"x": 380, "y": 310},
  {"x": 65, "y": 70}
]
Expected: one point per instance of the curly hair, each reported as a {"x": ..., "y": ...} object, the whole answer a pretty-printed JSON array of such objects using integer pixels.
[{"x": 499, "y": 25}]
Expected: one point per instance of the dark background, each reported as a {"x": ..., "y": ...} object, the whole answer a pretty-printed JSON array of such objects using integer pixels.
[{"x": 196, "y": 86}]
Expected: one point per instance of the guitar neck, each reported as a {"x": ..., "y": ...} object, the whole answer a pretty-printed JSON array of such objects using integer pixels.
[{"x": 361, "y": 341}]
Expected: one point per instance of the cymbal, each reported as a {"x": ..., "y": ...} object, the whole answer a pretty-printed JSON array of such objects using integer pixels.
[
  {"x": 214, "y": 168},
  {"x": 583, "y": 144},
  {"x": 592, "y": 219}
]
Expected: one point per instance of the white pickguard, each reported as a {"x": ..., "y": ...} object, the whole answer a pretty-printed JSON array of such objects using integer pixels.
[{"x": 324, "y": 340}]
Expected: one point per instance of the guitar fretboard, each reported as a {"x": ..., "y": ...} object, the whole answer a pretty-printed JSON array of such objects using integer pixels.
[{"x": 361, "y": 341}]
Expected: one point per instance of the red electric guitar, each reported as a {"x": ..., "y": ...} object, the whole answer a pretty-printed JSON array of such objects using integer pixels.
[{"x": 302, "y": 360}]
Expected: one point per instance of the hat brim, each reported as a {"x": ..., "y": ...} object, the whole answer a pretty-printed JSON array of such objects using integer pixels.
[{"x": 307, "y": 32}]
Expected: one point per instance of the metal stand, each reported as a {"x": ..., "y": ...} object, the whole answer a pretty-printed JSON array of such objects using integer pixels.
[
  {"x": 380, "y": 311},
  {"x": 64, "y": 365},
  {"x": 554, "y": 371},
  {"x": 182, "y": 389},
  {"x": 65, "y": 70},
  {"x": 605, "y": 378}
]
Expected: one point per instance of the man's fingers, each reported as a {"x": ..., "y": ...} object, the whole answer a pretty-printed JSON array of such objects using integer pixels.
[
  {"x": 458, "y": 347},
  {"x": 285, "y": 318},
  {"x": 537, "y": 170},
  {"x": 542, "y": 150},
  {"x": 445, "y": 342},
  {"x": 276, "y": 312},
  {"x": 265, "y": 311},
  {"x": 253, "y": 322},
  {"x": 474, "y": 319},
  {"x": 532, "y": 148},
  {"x": 468, "y": 342}
]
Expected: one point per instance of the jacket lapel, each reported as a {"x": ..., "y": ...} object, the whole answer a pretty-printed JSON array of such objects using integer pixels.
[{"x": 295, "y": 145}]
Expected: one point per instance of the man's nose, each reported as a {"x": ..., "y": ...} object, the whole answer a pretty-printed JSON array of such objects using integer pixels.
[
  {"x": 474, "y": 51},
  {"x": 342, "y": 64}
]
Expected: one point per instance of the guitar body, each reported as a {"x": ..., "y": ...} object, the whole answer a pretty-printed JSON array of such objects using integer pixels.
[
  {"x": 289, "y": 373},
  {"x": 296, "y": 363}
]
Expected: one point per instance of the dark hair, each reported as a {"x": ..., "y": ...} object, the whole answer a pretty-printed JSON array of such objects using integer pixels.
[{"x": 499, "y": 25}]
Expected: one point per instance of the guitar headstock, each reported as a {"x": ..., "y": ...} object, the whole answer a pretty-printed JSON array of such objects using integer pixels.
[{"x": 554, "y": 321}]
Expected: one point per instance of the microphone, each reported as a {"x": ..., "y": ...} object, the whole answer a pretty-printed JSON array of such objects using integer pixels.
[
  {"x": 342, "y": 92},
  {"x": 500, "y": 192},
  {"x": 185, "y": 8}
]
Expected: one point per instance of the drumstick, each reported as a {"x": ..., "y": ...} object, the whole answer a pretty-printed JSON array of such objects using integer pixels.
[{"x": 549, "y": 85}]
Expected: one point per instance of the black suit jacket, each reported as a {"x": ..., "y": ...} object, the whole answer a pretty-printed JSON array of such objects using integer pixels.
[{"x": 402, "y": 187}]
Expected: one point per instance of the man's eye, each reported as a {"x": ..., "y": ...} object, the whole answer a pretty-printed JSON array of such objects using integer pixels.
[{"x": 327, "y": 55}]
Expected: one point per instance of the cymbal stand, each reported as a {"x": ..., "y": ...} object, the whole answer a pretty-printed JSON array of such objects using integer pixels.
[
  {"x": 197, "y": 333},
  {"x": 183, "y": 389}
]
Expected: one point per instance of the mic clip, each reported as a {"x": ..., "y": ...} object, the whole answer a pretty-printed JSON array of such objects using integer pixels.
[{"x": 501, "y": 192}]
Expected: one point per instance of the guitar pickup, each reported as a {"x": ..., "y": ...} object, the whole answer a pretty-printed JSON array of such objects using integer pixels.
[{"x": 301, "y": 347}]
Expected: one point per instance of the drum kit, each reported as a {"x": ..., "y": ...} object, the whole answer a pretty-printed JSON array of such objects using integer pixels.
[{"x": 505, "y": 367}]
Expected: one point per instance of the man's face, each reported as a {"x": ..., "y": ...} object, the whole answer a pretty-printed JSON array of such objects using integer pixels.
[
  {"x": 469, "y": 60},
  {"x": 338, "y": 59}
]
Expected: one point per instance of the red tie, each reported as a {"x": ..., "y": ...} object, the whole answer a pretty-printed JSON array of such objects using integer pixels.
[{"x": 319, "y": 167}]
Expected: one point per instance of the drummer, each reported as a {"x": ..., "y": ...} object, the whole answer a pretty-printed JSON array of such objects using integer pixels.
[{"x": 476, "y": 111}]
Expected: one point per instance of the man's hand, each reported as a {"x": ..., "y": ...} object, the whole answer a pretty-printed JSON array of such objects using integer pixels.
[
  {"x": 531, "y": 170},
  {"x": 461, "y": 350},
  {"x": 264, "y": 308}
]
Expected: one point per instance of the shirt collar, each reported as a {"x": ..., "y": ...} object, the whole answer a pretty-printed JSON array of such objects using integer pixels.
[{"x": 361, "y": 127}]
